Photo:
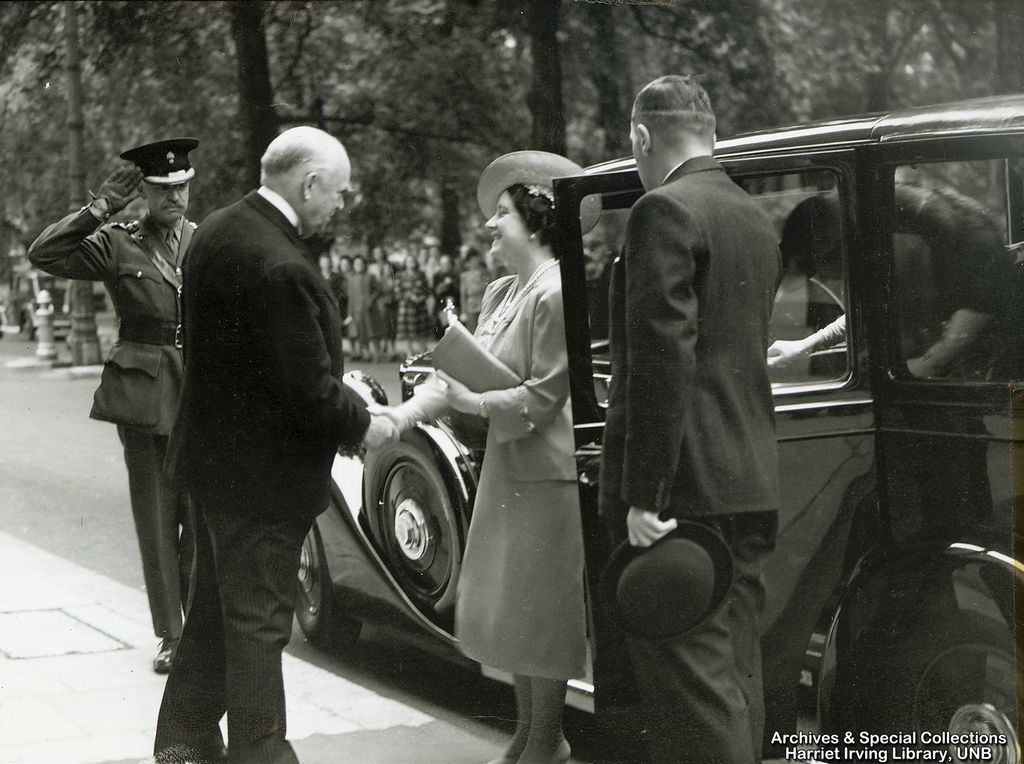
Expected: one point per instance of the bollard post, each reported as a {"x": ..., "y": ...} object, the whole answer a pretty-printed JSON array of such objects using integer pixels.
[{"x": 45, "y": 349}]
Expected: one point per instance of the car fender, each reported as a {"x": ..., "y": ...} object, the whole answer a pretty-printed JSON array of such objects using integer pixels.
[
  {"x": 904, "y": 573},
  {"x": 352, "y": 471}
]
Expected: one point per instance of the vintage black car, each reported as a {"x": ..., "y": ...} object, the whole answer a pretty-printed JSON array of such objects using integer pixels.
[{"x": 897, "y": 578}]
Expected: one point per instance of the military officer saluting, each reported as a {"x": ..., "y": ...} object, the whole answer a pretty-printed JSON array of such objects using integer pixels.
[{"x": 139, "y": 262}]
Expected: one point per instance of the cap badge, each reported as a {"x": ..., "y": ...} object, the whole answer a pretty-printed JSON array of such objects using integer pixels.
[{"x": 170, "y": 157}]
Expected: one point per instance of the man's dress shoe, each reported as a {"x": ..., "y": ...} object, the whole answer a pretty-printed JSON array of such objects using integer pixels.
[{"x": 165, "y": 657}]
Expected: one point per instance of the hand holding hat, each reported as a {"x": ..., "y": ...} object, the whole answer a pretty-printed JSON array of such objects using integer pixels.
[
  {"x": 644, "y": 528},
  {"x": 667, "y": 588},
  {"x": 120, "y": 187}
]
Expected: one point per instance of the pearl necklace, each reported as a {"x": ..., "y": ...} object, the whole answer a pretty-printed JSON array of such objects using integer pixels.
[{"x": 515, "y": 296}]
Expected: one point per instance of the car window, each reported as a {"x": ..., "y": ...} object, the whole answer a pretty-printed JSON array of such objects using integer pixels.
[
  {"x": 957, "y": 282},
  {"x": 804, "y": 209},
  {"x": 812, "y": 297}
]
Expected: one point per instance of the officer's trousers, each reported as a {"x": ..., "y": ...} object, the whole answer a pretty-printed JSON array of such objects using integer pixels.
[{"x": 164, "y": 528}]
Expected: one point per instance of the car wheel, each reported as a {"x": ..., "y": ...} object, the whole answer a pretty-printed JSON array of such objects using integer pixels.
[
  {"x": 417, "y": 525},
  {"x": 315, "y": 608},
  {"x": 962, "y": 679}
]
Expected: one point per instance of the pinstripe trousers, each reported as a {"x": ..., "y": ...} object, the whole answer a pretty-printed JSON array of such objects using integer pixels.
[{"x": 239, "y": 622}]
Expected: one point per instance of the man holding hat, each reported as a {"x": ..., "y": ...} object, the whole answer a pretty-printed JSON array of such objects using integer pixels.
[
  {"x": 139, "y": 262},
  {"x": 689, "y": 470}
]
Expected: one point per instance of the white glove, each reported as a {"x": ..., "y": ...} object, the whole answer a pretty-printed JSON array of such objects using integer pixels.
[{"x": 380, "y": 432}]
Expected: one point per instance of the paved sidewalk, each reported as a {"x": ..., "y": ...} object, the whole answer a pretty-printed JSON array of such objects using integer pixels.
[{"x": 76, "y": 684}]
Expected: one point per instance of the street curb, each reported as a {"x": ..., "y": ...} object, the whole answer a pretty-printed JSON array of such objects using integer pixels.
[
  {"x": 29, "y": 364},
  {"x": 76, "y": 372},
  {"x": 55, "y": 370}
]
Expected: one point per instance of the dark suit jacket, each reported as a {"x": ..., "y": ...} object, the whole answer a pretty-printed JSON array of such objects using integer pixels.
[
  {"x": 690, "y": 428},
  {"x": 263, "y": 408}
]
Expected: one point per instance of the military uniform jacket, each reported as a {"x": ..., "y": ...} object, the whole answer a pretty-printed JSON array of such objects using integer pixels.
[
  {"x": 142, "y": 374},
  {"x": 690, "y": 429}
]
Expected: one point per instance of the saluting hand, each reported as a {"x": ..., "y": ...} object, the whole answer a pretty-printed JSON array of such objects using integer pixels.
[{"x": 120, "y": 187}]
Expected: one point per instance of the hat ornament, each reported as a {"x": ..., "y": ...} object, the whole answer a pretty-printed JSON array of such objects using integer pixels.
[{"x": 538, "y": 190}]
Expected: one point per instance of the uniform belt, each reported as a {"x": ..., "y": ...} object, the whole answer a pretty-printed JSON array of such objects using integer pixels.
[{"x": 151, "y": 332}]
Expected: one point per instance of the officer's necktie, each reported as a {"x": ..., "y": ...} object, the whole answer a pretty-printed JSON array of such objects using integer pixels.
[{"x": 173, "y": 239}]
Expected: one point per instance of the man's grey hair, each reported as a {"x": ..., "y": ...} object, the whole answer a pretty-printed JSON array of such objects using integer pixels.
[{"x": 298, "y": 147}]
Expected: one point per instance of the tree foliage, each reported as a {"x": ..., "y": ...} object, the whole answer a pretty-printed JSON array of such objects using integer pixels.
[{"x": 425, "y": 92}]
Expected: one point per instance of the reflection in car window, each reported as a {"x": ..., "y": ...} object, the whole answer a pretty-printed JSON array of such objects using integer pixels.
[{"x": 957, "y": 289}]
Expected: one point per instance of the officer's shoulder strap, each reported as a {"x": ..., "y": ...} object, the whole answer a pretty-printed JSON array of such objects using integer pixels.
[{"x": 131, "y": 226}]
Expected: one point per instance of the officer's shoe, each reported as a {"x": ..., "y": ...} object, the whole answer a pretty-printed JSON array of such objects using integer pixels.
[{"x": 165, "y": 657}]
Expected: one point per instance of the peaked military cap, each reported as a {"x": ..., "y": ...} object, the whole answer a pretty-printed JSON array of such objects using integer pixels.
[{"x": 164, "y": 162}]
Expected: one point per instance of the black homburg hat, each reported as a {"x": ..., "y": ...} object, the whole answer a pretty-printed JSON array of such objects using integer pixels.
[
  {"x": 164, "y": 162},
  {"x": 672, "y": 586}
]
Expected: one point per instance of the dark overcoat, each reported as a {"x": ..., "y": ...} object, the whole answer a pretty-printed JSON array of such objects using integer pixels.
[
  {"x": 263, "y": 409},
  {"x": 690, "y": 427}
]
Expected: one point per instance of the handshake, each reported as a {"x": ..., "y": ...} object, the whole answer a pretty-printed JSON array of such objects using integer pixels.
[{"x": 387, "y": 423}]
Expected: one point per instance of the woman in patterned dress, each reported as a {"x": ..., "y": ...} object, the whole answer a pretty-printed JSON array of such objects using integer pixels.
[
  {"x": 520, "y": 605},
  {"x": 363, "y": 290},
  {"x": 381, "y": 269},
  {"x": 414, "y": 322}
]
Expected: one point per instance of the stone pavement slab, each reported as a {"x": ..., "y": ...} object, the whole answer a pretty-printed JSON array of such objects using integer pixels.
[{"x": 76, "y": 684}]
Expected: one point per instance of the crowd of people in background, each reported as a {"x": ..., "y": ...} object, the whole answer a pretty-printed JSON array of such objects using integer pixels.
[{"x": 393, "y": 299}]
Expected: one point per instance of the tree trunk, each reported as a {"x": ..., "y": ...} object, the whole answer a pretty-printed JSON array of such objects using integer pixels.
[
  {"x": 876, "y": 95},
  {"x": 1009, "y": 24},
  {"x": 84, "y": 342},
  {"x": 545, "y": 98},
  {"x": 451, "y": 236},
  {"x": 609, "y": 67},
  {"x": 255, "y": 94}
]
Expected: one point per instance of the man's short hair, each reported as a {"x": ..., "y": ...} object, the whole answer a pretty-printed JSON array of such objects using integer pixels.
[
  {"x": 675, "y": 104},
  {"x": 298, "y": 146},
  {"x": 282, "y": 159}
]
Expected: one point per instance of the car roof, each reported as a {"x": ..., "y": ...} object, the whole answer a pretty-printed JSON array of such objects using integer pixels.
[{"x": 978, "y": 116}]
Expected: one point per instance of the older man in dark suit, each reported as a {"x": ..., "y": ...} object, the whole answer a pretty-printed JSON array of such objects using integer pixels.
[
  {"x": 263, "y": 411},
  {"x": 690, "y": 427}
]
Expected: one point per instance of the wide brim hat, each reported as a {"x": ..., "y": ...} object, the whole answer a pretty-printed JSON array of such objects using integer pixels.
[
  {"x": 670, "y": 587},
  {"x": 164, "y": 163},
  {"x": 531, "y": 168}
]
